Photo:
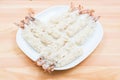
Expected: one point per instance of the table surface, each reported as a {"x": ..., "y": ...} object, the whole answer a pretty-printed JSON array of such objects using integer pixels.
[{"x": 102, "y": 64}]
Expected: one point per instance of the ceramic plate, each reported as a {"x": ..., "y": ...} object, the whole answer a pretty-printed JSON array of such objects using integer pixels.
[{"x": 44, "y": 16}]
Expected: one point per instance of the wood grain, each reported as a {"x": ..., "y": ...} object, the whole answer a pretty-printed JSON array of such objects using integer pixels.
[{"x": 102, "y": 64}]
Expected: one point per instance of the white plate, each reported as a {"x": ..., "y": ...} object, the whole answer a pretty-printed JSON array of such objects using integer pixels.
[{"x": 44, "y": 16}]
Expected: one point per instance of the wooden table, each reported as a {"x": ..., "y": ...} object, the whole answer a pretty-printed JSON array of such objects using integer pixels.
[{"x": 102, "y": 64}]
